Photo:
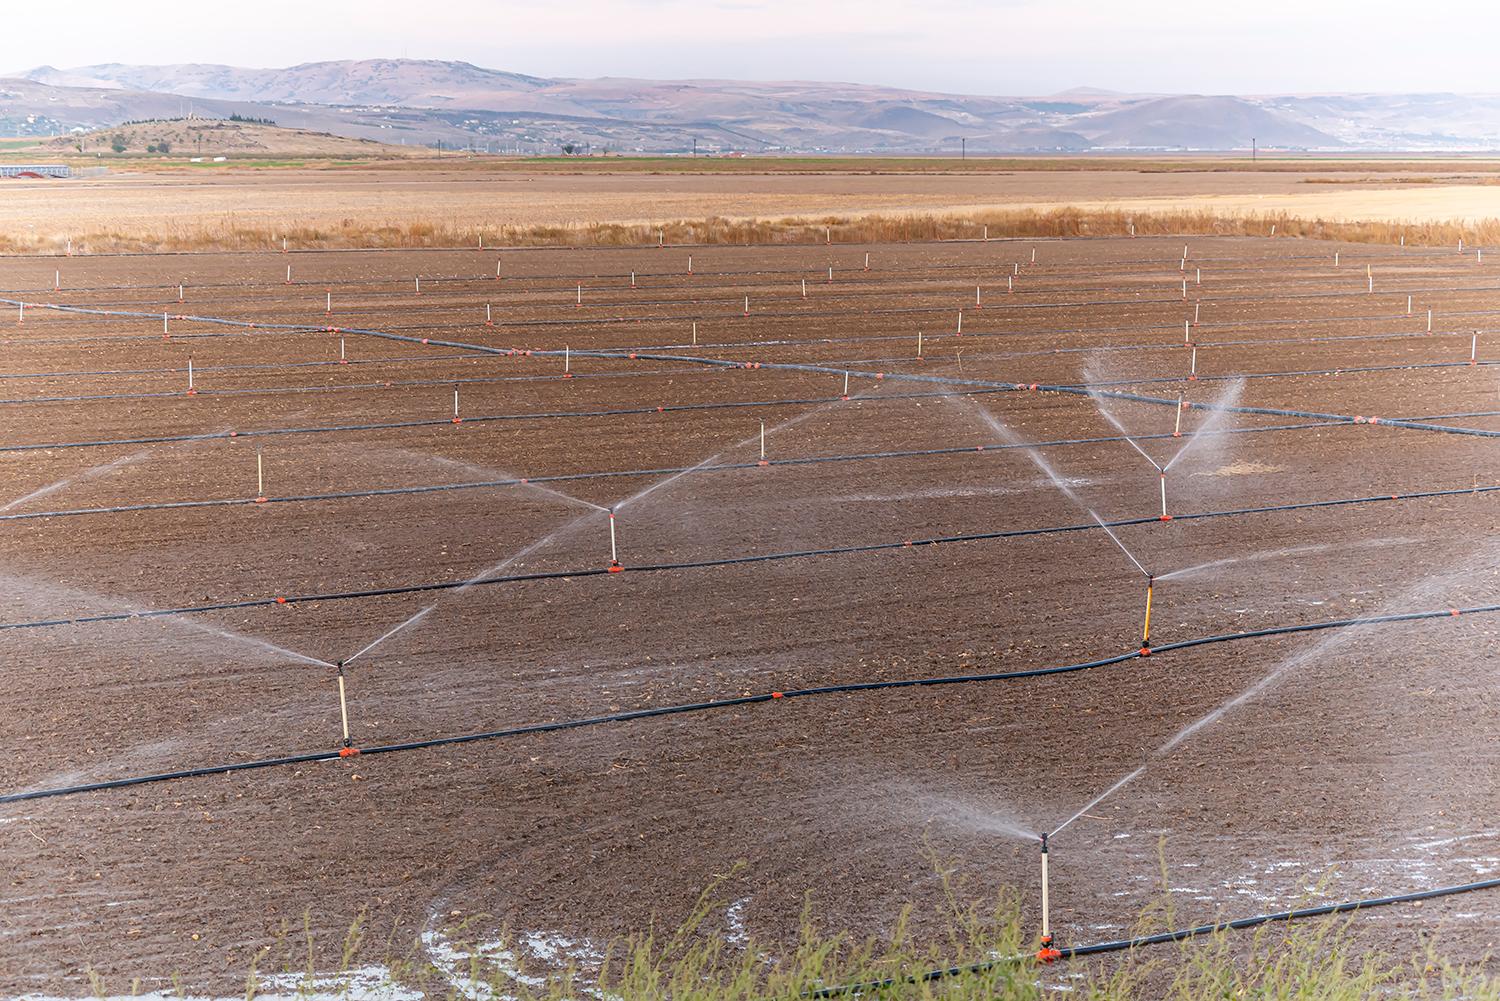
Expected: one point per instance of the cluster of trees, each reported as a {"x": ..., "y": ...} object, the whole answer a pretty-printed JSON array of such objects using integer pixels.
[{"x": 120, "y": 144}]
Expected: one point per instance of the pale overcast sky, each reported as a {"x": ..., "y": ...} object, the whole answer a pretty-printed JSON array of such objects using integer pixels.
[{"x": 998, "y": 47}]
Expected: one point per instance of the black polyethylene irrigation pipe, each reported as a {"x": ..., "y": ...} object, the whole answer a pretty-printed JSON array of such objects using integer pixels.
[
  {"x": 745, "y": 700},
  {"x": 1163, "y": 938},
  {"x": 810, "y": 460},
  {"x": 784, "y": 367},
  {"x": 940, "y": 380},
  {"x": 522, "y": 481},
  {"x": 382, "y": 385},
  {"x": 491, "y": 418},
  {"x": 725, "y": 561}
]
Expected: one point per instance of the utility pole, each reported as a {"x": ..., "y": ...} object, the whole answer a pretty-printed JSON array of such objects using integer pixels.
[
  {"x": 1252, "y": 149},
  {"x": 963, "y": 148}
]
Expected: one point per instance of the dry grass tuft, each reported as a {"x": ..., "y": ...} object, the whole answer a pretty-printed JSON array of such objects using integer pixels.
[{"x": 873, "y": 228}]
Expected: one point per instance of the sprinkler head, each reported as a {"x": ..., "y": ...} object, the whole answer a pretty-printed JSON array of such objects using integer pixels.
[{"x": 1046, "y": 954}]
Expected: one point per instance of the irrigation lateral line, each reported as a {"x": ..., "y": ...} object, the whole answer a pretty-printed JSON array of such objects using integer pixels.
[
  {"x": 727, "y": 561},
  {"x": 673, "y": 408},
  {"x": 1162, "y": 938},
  {"x": 810, "y": 460},
  {"x": 835, "y": 370},
  {"x": 1002, "y": 386},
  {"x": 384, "y": 385},
  {"x": 744, "y": 700}
]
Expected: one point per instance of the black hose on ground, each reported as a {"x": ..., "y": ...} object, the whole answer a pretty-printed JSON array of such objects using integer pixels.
[
  {"x": 727, "y": 561},
  {"x": 1162, "y": 938},
  {"x": 791, "y": 367},
  {"x": 744, "y": 700}
]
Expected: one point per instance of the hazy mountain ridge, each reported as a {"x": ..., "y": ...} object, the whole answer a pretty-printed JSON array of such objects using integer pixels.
[{"x": 423, "y": 101}]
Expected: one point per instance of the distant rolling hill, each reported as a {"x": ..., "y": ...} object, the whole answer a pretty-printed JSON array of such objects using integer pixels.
[
  {"x": 186, "y": 137},
  {"x": 1200, "y": 122},
  {"x": 426, "y": 101}
]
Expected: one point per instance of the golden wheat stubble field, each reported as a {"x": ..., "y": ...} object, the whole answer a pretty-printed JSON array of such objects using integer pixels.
[{"x": 140, "y": 206}]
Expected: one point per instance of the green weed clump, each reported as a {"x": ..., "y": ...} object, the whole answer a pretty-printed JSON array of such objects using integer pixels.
[{"x": 985, "y": 953}]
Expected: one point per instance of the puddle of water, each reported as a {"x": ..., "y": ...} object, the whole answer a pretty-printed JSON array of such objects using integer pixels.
[
  {"x": 472, "y": 971},
  {"x": 366, "y": 983}
]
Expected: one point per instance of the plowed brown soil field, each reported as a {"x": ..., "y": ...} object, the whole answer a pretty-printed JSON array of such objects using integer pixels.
[{"x": 1347, "y": 763}]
